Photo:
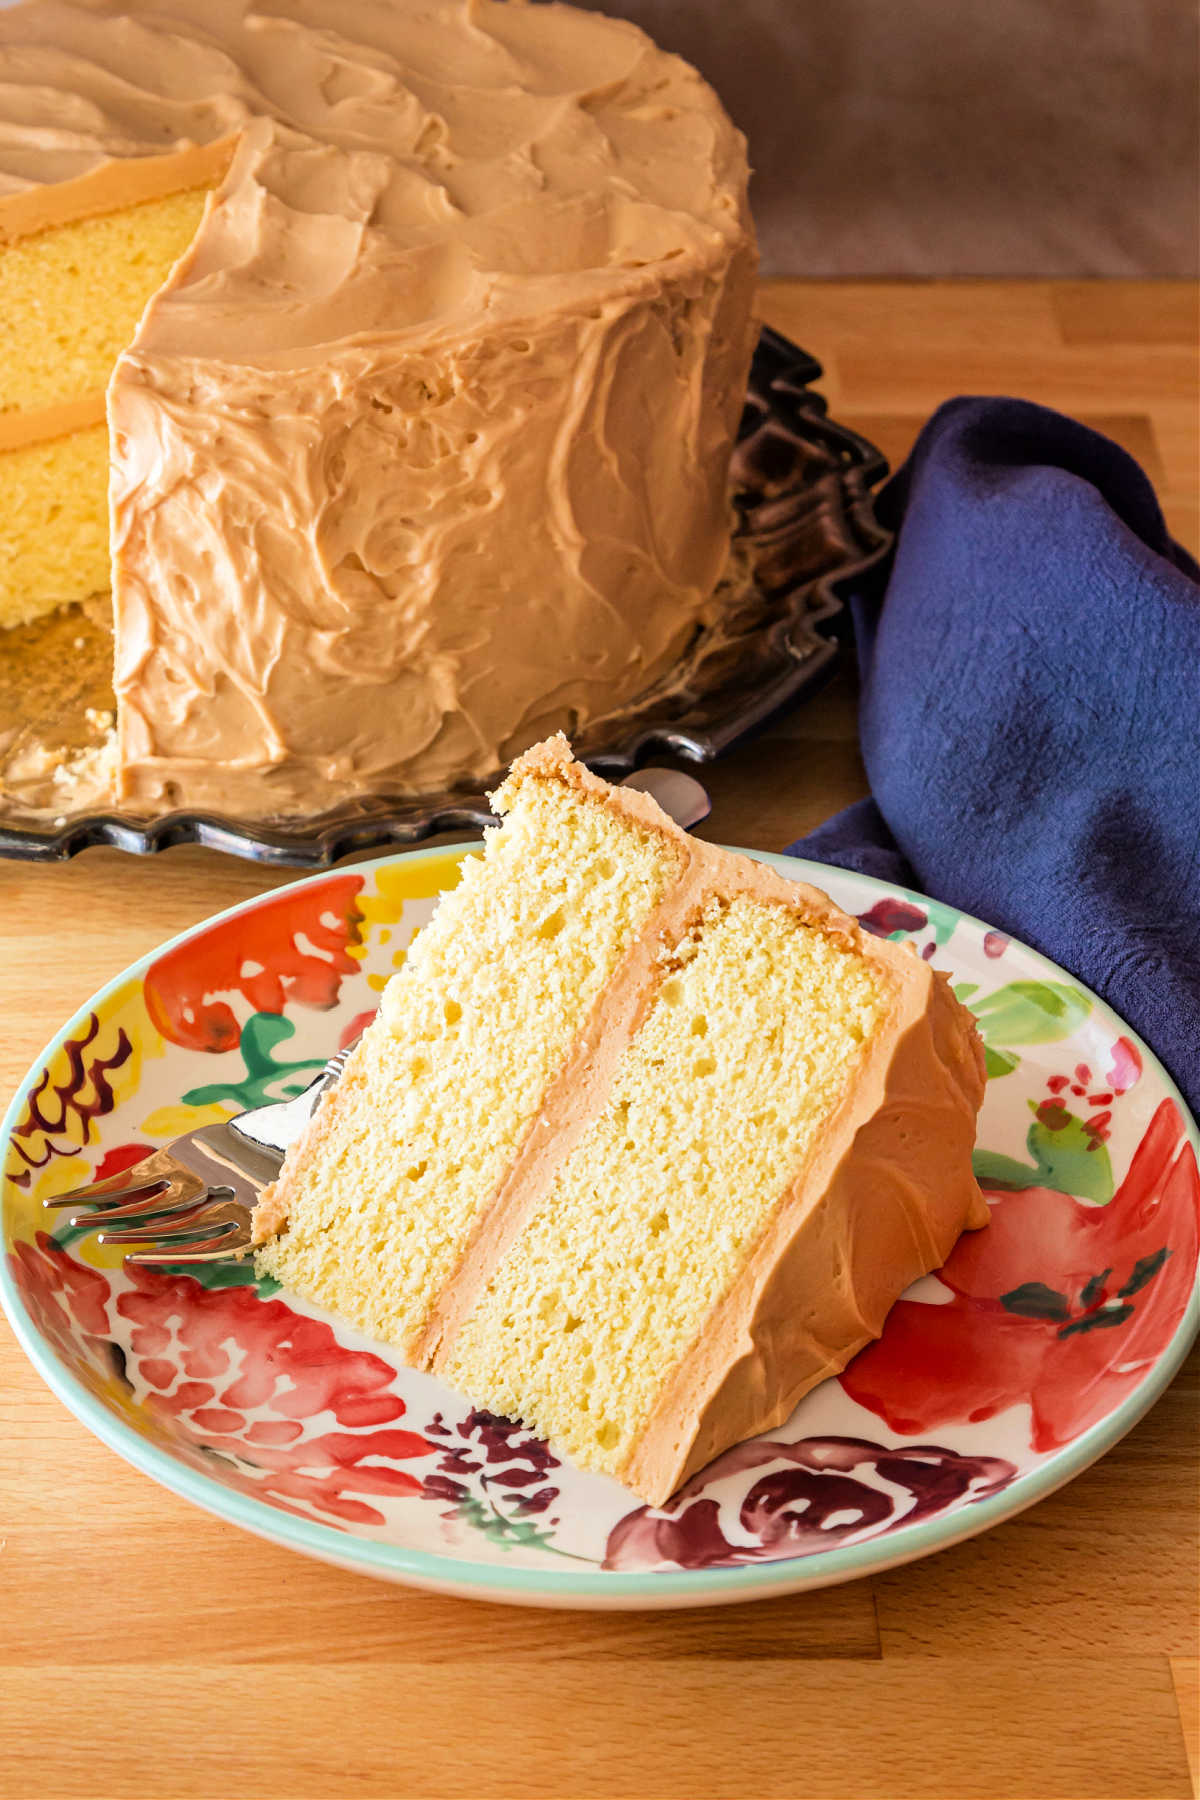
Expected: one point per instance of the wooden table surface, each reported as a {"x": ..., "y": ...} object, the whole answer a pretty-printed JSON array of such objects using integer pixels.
[{"x": 150, "y": 1650}]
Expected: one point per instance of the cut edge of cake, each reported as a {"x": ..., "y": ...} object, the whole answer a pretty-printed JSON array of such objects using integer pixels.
[
  {"x": 55, "y": 436},
  {"x": 614, "y": 926}
]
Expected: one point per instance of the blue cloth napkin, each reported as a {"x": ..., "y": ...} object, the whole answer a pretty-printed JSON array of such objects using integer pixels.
[{"x": 1031, "y": 709}]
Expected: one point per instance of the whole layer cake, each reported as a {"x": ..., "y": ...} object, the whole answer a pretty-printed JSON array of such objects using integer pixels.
[
  {"x": 645, "y": 1141},
  {"x": 395, "y": 351}
]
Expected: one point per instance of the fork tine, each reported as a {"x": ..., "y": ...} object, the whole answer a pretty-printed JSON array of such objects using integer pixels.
[
  {"x": 182, "y": 1190},
  {"x": 205, "y": 1250},
  {"x": 210, "y": 1251},
  {"x": 115, "y": 1188},
  {"x": 155, "y": 1230},
  {"x": 160, "y": 1165}
]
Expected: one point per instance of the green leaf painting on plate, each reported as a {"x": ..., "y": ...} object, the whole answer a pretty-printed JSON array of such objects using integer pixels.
[
  {"x": 1023, "y": 1012},
  {"x": 240, "y": 1273},
  {"x": 943, "y": 920},
  {"x": 266, "y": 1078},
  {"x": 1066, "y": 1157}
]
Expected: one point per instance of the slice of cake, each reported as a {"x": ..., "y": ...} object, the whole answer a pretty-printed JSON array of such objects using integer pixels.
[{"x": 645, "y": 1141}]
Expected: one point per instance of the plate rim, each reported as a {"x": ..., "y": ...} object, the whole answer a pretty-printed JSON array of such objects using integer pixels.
[{"x": 551, "y": 1587}]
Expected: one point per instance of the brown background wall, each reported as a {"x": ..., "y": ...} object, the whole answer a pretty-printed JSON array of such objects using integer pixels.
[{"x": 957, "y": 137}]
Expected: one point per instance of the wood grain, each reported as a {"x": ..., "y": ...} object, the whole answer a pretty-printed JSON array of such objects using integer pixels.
[
  {"x": 398, "y": 1729},
  {"x": 1185, "y": 1671},
  {"x": 1075, "y": 1571},
  {"x": 1117, "y": 351},
  {"x": 150, "y": 1650}
]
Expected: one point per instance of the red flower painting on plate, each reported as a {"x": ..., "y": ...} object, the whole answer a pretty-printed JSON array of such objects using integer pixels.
[
  {"x": 292, "y": 950},
  {"x": 1059, "y": 1303}
]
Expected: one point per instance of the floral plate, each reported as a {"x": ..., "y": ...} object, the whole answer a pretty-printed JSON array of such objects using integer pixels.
[{"x": 1041, "y": 1342}]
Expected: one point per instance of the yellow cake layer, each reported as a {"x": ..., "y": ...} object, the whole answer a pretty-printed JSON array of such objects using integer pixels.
[
  {"x": 716, "y": 1103},
  {"x": 53, "y": 524},
  {"x": 70, "y": 301},
  {"x": 71, "y": 296},
  {"x": 441, "y": 1094}
]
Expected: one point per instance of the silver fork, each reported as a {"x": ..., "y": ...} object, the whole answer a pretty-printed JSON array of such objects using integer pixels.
[{"x": 194, "y": 1199}]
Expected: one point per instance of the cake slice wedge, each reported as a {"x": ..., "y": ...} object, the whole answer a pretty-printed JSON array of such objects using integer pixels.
[{"x": 645, "y": 1142}]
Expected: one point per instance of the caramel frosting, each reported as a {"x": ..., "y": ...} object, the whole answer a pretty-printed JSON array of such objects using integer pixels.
[
  {"x": 20, "y": 428},
  {"x": 107, "y": 187},
  {"x": 422, "y": 449}
]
